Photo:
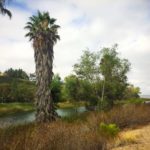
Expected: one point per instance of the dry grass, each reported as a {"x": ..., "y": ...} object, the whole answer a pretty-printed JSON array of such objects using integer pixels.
[
  {"x": 123, "y": 116},
  {"x": 55, "y": 136},
  {"x": 137, "y": 139},
  {"x": 78, "y": 135}
]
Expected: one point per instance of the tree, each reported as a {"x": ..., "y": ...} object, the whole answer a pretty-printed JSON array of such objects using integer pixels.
[
  {"x": 114, "y": 71},
  {"x": 88, "y": 67},
  {"x": 131, "y": 92},
  {"x": 56, "y": 87},
  {"x": 72, "y": 88},
  {"x": 43, "y": 33},
  {"x": 16, "y": 73},
  {"x": 3, "y": 9},
  {"x": 5, "y": 91}
]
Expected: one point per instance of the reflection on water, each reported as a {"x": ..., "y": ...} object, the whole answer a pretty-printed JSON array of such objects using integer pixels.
[{"x": 26, "y": 117}]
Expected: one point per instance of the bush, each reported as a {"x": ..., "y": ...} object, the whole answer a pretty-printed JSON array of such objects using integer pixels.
[{"x": 109, "y": 130}]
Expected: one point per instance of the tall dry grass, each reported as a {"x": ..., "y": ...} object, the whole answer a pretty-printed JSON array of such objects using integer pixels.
[
  {"x": 61, "y": 135},
  {"x": 54, "y": 136}
]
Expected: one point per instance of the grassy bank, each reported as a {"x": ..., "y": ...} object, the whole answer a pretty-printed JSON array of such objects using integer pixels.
[
  {"x": 78, "y": 135},
  {"x": 12, "y": 108},
  {"x": 69, "y": 104},
  {"x": 132, "y": 101}
]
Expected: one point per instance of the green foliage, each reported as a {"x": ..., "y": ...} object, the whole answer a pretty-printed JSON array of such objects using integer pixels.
[
  {"x": 5, "y": 90},
  {"x": 114, "y": 70},
  {"x": 16, "y": 73},
  {"x": 131, "y": 92},
  {"x": 42, "y": 23},
  {"x": 103, "y": 105},
  {"x": 109, "y": 130},
  {"x": 88, "y": 68},
  {"x": 56, "y": 87},
  {"x": 131, "y": 101},
  {"x": 71, "y": 87},
  {"x": 16, "y": 90},
  {"x": 92, "y": 67},
  {"x": 135, "y": 101},
  {"x": 76, "y": 89}
]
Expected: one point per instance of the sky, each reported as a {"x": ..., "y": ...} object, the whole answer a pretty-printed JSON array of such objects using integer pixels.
[{"x": 85, "y": 24}]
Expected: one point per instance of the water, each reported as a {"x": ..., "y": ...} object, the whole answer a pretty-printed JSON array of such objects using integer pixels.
[
  {"x": 27, "y": 117},
  {"x": 145, "y": 96}
]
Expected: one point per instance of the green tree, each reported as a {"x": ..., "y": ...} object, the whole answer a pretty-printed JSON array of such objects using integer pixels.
[
  {"x": 87, "y": 92},
  {"x": 87, "y": 70},
  {"x": 72, "y": 88},
  {"x": 56, "y": 87},
  {"x": 131, "y": 92},
  {"x": 5, "y": 90},
  {"x": 114, "y": 71},
  {"x": 43, "y": 33},
  {"x": 3, "y": 9},
  {"x": 16, "y": 73},
  {"x": 88, "y": 67}
]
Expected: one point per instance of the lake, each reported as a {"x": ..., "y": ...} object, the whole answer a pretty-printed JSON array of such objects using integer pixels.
[{"x": 26, "y": 117}]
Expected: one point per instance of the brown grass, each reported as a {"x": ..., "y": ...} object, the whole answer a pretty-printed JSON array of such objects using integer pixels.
[
  {"x": 137, "y": 139},
  {"x": 79, "y": 135},
  {"x": 54, "y": 136}
]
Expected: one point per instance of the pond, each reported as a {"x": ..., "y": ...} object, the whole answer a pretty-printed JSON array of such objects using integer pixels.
[{"x": 26, "y": 117}]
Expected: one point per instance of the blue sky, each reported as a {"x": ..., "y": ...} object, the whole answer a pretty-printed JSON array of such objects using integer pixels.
[{"x": 84, "y": 24}]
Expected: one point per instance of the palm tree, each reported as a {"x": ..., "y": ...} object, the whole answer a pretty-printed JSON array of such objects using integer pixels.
[
  {"x": 3, "y": 9},
  {"x": 43, "y": 33}
]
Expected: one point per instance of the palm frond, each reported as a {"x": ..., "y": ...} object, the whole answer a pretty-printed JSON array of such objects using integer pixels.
[
  {"x": 52, "y": 21},
  {"x": 36, "y": 28},
  {"x": 3, "y": 10}
]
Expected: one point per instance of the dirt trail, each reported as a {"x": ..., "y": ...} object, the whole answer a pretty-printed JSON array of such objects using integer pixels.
[{"x": 136, "y": 139}]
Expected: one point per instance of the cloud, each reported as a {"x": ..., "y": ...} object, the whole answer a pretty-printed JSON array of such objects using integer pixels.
[{"x": 84, "y": 24}]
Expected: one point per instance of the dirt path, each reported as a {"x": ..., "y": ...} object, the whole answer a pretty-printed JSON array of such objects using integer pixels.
[{"x": 136, "y": 139}]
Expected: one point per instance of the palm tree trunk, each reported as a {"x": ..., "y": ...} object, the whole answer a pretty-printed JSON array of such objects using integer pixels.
[{"x": 44, "y": 60}]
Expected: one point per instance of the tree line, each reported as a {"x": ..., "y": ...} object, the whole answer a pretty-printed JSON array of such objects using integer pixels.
[{"x": 99, "y": 78}]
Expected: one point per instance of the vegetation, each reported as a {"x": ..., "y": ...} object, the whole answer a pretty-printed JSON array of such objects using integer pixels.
[
  {"x": 42, "y": 30},
  {"x": 93, "y": 78},
  {"x": 76, "y": 135},
  {"x": 16, "y": 90},
  {"x": 3, "y": 9},
  {"x": 91, "y": 83},
  {"x": 115, "y": 69},
  {"x": 109, "y": 130},
  {"x": 16, "y": 73},
  {"x": 7, "y": 109},
  {"x": 56, "y": 87}
]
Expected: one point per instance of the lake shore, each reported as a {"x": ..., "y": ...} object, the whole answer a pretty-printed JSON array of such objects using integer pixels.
[{"x": 7, "y": 109}]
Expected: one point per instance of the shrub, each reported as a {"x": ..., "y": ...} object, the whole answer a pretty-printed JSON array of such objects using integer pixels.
[{"x": 109, "y": 130}]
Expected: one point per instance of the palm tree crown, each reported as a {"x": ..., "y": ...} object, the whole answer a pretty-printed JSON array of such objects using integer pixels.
[
  {"x": 3, "y": 10},
  {"x": 42, "y": 24}
]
